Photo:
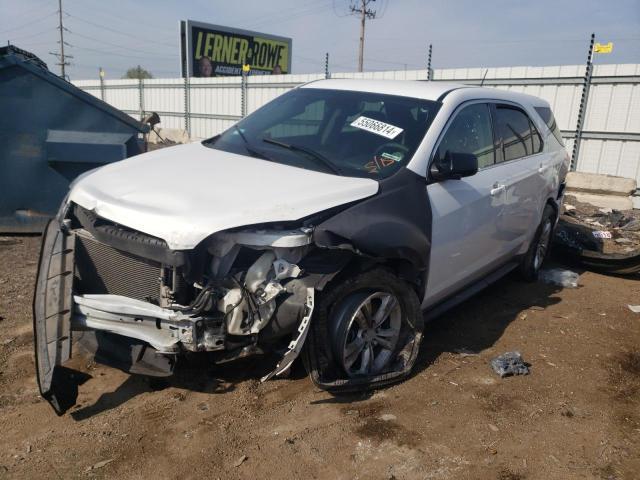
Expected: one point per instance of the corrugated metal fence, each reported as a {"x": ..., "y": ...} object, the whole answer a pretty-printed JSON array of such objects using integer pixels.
[{"x": 610, "y": 137}]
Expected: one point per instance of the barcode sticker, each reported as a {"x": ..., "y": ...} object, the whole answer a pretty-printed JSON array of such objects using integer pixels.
[{"x": 377, "y": 127}]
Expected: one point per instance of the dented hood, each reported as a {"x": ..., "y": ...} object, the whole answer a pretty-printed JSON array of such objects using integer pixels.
[{"x": 185, "y": 193}]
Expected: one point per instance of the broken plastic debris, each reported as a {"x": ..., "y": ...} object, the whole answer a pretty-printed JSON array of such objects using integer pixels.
[
  {"x": 634, "y": 308},
  {"x": 560, "y": 277},
  {"x": 508, "y": 364}
]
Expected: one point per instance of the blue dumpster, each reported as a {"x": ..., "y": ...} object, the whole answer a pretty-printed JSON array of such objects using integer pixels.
[{"x": 50, "y": 132}]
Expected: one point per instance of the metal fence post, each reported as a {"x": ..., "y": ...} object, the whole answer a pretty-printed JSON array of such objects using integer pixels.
[
  {"x": 141, "y": 97},
  {"x": 326, "y": 66},
  {"x": 243, "y": 93},
  {"x": 582, "y": 110},
  {"x": 187, "y": 104},
  {"x": 101, "y": 76},
  {"x": 429, "y": 71}
]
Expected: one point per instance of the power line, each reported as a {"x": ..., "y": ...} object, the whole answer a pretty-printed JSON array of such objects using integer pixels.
[
  {"x": 36, "y": 34},
  {"x": 107, "y": 52},
  {"x": 137, "y": 23},
  {"x": 292, "y": 16},
  {"x": 365, "y": 13},
  {"x": 128, "y": 48},
  {"x": 29, "y": 23},
  {"x": 113, "y": 30}
]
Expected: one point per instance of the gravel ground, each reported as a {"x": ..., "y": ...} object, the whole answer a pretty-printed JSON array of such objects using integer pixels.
[{"x": 577, "y": 415}]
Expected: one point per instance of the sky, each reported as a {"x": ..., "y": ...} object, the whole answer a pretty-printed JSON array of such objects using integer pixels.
[{"x": 119, "y": 34}]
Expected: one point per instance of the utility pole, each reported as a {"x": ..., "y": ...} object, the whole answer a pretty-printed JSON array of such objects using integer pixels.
[
  {"x": 62, "y": 58},
  {"x": 365, "y": 13}
]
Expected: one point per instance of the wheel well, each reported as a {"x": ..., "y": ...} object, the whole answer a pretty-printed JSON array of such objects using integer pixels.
[
  {"x": 401, "y": 268},
  {"x": 552, "y": 202}
]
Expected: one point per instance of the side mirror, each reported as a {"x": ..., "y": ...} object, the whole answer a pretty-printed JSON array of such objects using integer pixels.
[{"x": 454, "y": 166}]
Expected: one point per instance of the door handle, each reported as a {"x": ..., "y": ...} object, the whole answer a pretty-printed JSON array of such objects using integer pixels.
[
  {"x": 543, "y": 168},
  {"x": 497, "y": 189}
]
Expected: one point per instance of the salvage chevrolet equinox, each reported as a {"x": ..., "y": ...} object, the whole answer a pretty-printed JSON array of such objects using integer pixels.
[{"x": 329, "y": 224}]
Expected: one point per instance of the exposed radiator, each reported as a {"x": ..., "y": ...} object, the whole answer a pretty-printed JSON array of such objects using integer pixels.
[{"x": 102, "y": 269}]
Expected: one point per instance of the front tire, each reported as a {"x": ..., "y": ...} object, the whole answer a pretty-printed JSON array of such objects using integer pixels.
[
  {"x": 539, "y": 248},
  {"x": 366, "y": 332}
]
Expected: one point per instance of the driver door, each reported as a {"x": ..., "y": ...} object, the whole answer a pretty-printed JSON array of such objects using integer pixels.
[{"x": 466, "y": 244}]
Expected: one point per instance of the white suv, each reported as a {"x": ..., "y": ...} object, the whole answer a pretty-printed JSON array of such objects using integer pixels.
[{"x": 331, "y": 218}]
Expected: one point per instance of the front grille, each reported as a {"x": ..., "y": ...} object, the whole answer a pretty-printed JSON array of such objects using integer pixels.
[{"x": 101, "y": 269}]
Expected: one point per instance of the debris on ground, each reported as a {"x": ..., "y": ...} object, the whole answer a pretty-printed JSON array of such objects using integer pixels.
[
  {"x": 98, "y": 465},
  {"x": 602, "y": 239},
  {"x": 465, "y": 352},
  {"x": 634, "y": 308},
  {"x": 510, "y": 363},
  {"x": 9, "y": 241},
  {"x": 240, "y": 461},
  {"x": 561, "y": 277}
]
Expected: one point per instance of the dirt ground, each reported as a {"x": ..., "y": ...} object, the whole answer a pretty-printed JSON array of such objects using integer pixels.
[{"x": 577, "y": 415}]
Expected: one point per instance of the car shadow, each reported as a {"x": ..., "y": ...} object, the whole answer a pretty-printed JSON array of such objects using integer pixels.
[
  {"x": 196, "y": 373},
  {"x": 478, "y": 323}
]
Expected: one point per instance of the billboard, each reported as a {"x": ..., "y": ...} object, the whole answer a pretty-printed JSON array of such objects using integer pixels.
[{"x": 213, "y": 51}]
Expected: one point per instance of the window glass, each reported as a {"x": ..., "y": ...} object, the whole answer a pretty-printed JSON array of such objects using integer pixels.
[
  {"x": 360, "y": 134},
  {"x": 513, "y": 130},
  {"x": 547, "y": 117},
  {"x": 470, "y": 132},
  {"x": 306, "y": 123}
]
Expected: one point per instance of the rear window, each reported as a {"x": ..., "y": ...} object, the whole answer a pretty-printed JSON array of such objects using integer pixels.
[
  {"x": 516, "y": 133},
  {"x": 547, "y": 117}
]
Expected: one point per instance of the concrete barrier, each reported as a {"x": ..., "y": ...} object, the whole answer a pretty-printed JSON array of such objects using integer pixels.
[{"x": 598, "y": 184}]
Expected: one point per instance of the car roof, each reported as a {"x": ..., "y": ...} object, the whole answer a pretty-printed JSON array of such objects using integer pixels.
[
  {"x": 406, "y": 88},
  {"x": 434, "y": 90}
]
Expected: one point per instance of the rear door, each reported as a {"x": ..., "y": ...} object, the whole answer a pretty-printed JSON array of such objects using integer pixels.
[
  {"x": 522, "y": 165},
  {"x": 466, "y": 243}
]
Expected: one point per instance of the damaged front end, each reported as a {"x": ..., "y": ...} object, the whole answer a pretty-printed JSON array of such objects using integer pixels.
[{"x": 239, "y": 293}]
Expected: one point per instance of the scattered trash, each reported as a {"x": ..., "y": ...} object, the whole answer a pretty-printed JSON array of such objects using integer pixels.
[
  {"x": 9, "y": 241},
  {"x": 634, "y": 308},
  {"x": 99, "y": 465},
  {"x": 388, "y": 417},
  {"x": 632, "y": 226},
  {"x": 465, "y": 352},
  {"x": 8, "y": 341},
  {"x": 603, "y": 240},
  {"x": 493, "y": 428},
  {"x": 508, "y": 364},
  {"x": 560, "y": 277},
  {"x": 240, "y": 461}
]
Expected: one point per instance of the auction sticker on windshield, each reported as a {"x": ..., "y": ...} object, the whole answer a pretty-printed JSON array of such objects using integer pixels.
[{"x": 377, "y": 127}]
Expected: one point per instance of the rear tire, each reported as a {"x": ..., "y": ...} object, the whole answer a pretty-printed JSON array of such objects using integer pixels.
[{"x": 539, "y": 248}]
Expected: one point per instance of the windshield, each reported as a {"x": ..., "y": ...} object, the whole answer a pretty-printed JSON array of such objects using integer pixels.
[{"x": 333, "y": 131}]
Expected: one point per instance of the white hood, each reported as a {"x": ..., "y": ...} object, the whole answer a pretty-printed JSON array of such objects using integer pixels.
[{"x": 185, "y": 193}]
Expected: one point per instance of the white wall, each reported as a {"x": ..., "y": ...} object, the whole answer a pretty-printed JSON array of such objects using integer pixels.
[{"x": 613, "y": 107}]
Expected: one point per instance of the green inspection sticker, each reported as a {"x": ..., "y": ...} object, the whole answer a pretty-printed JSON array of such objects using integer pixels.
[{"x": 396, "y": 157}]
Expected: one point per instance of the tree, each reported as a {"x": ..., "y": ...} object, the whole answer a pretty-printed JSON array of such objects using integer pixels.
[{"x": 138, "y": 73}]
